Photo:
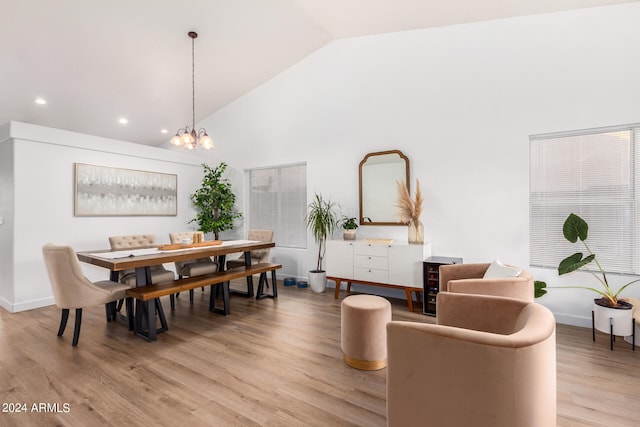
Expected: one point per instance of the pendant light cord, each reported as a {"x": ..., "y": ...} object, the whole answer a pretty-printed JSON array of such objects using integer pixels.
[{"x": 193, "y": 84}]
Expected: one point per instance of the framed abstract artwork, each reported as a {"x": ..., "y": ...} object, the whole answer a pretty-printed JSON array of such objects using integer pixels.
[{"x": 107, "y": 191}]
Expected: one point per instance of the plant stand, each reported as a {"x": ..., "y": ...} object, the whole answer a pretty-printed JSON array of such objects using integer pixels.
[{"x": 612, "y": 337}]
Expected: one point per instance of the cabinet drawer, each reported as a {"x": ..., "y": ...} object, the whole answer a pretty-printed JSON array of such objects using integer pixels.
[
  {"x": 374, "y": 249},
  {"x": 368, "y": 261},
  {"x": 371, "y": 275}
]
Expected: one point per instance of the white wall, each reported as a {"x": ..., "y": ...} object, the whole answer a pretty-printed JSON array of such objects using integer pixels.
[
  {"x": 6, "y": 213},
  {"x": 460, "y": 102},
  {"x": 37, "y": 196}
]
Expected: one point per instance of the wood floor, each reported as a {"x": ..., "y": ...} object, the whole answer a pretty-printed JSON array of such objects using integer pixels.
[{"x": 270, "y": 363}]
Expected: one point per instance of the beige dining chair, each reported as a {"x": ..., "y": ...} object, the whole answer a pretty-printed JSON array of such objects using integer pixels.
[
  {"x": 72, "y": 290},
  {"x": 139, "y": 241},
  {"x": 257, "y": 256},
  {"x": 196, "y": 267}
]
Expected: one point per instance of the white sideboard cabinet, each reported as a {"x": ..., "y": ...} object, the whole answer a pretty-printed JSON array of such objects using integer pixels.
[{"x": 394, "y": 265}]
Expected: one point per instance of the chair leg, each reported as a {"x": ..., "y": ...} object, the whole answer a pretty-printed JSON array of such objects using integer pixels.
[
  {"x": 76, "y": 330},
  {"x": 111, "y": 308},
  {"x": 191, "y": 296},
  {"x": 172, "y": 300},
  {"x": 178, "y": 293},
  {"x": 63, "y": 321}
]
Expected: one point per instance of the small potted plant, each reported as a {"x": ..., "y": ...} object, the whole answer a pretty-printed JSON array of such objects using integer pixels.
[
  {"x": 609, "y": 304},
  {"x": 322, "y": 220},
  {"x": 349, "y": 226}
]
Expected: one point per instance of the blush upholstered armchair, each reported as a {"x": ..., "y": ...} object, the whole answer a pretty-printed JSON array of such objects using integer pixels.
[
  {"x": 72, "y": 290},
  {"x": 139, "y": 241},
  {"x": 196, "y": 267},
  {"x": 471, "y": 279},
  {"x": 489, "y": 362}
]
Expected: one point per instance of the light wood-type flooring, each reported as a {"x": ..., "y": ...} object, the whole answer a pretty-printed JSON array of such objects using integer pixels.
[{"x": 270, "y": 363}]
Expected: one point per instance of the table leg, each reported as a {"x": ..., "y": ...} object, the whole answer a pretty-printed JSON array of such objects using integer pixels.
[
  {"x": 247, "y": 263},
  {"x": 114, "y": 276},
  {"x": 146, "y": 311}
]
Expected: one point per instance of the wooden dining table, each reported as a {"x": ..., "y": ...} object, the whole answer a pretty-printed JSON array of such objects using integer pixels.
[{"x": 141, "y": 261}]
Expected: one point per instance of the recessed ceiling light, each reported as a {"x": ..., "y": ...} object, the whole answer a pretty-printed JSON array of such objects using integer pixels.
[
  {"x": 123, "y": 120},
  {"x": 41, "y": 101},
  {"x": 164, "y": 131}
]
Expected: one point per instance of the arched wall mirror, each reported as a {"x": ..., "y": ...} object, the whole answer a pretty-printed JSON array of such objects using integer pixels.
[{"x": 378, "y": 193}]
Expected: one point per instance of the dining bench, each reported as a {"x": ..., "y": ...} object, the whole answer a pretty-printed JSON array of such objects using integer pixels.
[{"x": 155, "y": 291}]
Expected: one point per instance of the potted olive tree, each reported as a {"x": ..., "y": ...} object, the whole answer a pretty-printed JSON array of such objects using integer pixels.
[
  {"x": 608, "y": 304},
  {"x": 215, "y": 202},
  {"x": 322, "y": 221}
]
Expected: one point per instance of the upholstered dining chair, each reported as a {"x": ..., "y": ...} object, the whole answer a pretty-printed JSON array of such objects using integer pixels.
[
  {"x": 139, "y": 241},
  {"x": 258, "y": 256},
  {"x": 487, "y": 279},
  {"x": 191, "y": 268},
  {"x": 72, "y": 290},
  {"x": 488, "y": 362}
]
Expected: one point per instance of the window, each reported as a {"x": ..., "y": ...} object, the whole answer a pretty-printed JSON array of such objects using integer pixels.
[
  {"x": 591, "y": 173},
  {"x": 278, "y": 201}
]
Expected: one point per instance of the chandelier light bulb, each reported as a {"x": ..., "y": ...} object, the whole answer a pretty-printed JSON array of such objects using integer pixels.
[
  {"x": 206, "y": 142},
  {"x": 187, "y": 139}
]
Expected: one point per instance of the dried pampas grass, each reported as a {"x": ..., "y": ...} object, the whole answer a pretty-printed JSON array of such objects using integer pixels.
[{"x": 410, "y": 210}]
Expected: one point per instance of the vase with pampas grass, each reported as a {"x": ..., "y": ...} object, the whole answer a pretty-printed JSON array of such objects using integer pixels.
[{"x": 410, "y": 211}]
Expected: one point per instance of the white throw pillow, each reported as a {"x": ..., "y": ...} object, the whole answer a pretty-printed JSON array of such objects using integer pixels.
[{"x": 498, "y": 270}]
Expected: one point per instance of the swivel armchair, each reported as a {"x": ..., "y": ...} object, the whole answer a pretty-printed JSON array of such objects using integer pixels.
[{"x": 490, "y": 361}]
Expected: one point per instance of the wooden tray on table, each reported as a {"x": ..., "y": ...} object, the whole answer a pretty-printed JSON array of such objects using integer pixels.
[{"x": 175, "y": 246}]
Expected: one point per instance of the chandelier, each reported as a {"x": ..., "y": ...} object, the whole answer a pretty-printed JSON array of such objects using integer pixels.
[{"x": 187, "y": 136}]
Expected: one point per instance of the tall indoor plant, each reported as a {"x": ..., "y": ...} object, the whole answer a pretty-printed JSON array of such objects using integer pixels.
[
  {"x": 215, "y": 202},
  {"x": 322, "y": 221},
  {"x": 608, "y": 305}
]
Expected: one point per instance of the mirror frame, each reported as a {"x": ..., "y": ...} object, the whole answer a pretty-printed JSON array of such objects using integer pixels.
[{"x": 393, "y": 201}]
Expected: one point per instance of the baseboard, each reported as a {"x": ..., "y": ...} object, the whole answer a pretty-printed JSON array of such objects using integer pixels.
[
  {"x": 573, "y": 320},
  {"x": 26, "y": 305}
]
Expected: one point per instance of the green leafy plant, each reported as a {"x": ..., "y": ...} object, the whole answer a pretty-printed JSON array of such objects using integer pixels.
[
  {"x": 539, "y": 288},
  {"x": 215, "y": 202},
  {"x": 322, "y": 221},
  {"x": 574, "y": 229},
  {"x": 348, "y": 223}
]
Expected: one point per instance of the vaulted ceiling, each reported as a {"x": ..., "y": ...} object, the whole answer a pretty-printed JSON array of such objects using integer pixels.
[{"x": 95, "y": 62}]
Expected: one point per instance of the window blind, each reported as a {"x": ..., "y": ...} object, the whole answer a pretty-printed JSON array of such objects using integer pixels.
[
  {"x": 591, "y": 173},
  {"x": 278, "y": 201}
]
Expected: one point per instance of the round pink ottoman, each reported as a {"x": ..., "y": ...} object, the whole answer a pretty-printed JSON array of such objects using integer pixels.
[{"x": 363, "y": 334}]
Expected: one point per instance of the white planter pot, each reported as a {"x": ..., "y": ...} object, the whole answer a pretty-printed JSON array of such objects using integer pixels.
[
  {"x": 349, "y": 234},
  {"x": 318, "y": 281},
  {"x": 620, "y": 318}
]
